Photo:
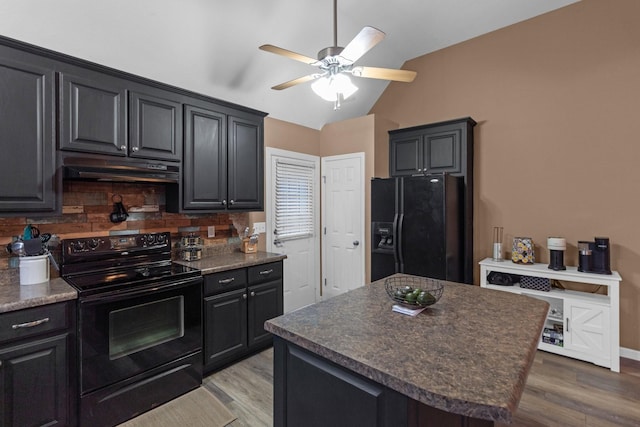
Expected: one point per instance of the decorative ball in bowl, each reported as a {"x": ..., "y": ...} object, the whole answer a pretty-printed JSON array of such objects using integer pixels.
[{"x": 414, "y": 292}]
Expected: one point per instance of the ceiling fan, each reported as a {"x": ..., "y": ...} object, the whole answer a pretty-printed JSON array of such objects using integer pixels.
[{"x": 335, "y": 62}]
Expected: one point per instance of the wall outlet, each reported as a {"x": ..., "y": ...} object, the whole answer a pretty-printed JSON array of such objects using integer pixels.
[
  {"x": 260, "y": 227},
  {"x": 211, "y": 231}
]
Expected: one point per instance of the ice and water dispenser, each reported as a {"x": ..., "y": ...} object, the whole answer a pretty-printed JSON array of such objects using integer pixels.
[{"x": 382, "y": 237}]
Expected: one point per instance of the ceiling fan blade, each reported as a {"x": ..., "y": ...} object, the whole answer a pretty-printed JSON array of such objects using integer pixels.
[
  {"x": 289, "y": 54},
  {"x": 367, "y": 38},
  {"x": 297, "y": 81},
  {"x": 384, "y": 74}
]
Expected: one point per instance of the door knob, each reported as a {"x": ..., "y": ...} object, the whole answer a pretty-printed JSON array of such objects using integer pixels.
[{"x": 356, "y": 243}]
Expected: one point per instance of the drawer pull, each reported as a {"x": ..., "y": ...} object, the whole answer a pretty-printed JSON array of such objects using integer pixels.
[
  {"x": 226, "y": 281},
  {"x": 265, "y": 272},
  {"x": 30, "y": 324}
]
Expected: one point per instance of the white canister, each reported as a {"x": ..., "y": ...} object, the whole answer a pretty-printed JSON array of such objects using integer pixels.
[{"x": 34, "y": 269}]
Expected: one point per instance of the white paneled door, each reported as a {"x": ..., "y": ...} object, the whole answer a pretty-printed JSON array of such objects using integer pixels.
[
  {"x": 292, "y": 222},
  {"x": 342, "y": 223}
]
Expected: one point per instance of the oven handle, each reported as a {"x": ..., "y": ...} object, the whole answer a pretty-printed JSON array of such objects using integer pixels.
[{"x": 163, "y": 286}]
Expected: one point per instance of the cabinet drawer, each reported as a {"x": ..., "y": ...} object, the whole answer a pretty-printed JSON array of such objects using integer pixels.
[
  {"x": 264, "y": 272},
  {"x": 33, "y": 321},
  {"x": 225, "y": 281}
]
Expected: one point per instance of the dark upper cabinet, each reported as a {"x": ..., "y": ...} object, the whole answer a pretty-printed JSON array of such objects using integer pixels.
[
  {"x": 443, "y": 147},
  {"x": 222, "y": 162},
  {"x": 155, "y": 126},
  {"x": 93, "y": 113},
  {"x": 429, "y": 150},
  {"x": 245, "y": 163},
  {"x": 27, "y": 108},
  {"x": 205, "y": 159}
]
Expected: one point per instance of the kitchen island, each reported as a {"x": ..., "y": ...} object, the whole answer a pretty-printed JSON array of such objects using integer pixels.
[{"x": 350, "y": 360}]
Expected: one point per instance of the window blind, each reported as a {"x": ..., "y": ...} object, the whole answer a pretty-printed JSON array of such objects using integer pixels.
[{"x": 294, "y": 200}]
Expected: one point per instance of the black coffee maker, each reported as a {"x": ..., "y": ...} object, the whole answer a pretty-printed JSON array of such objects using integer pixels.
[{"x": 595, "y": 257}]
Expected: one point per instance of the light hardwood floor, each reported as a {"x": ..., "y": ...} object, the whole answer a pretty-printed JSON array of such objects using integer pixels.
[{"x": 560, "y": 392}]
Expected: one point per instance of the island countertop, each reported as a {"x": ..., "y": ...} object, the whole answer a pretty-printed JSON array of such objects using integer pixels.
[{"x": 469, "y": 354}]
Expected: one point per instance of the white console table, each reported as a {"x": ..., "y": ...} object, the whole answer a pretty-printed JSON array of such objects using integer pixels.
[{"x": 587, "y": 324}]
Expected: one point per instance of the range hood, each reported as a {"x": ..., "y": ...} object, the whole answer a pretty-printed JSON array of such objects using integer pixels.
[{"x": 119, "y": 170}]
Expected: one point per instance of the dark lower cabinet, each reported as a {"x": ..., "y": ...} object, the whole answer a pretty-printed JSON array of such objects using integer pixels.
[
  {"x": 27, "y": 108},
  {"x": 225, "y": 334},
  {"x": 312, "y": 391},
  {"x": 236, "y": 305},
  {"x": 35, "y": 355}
]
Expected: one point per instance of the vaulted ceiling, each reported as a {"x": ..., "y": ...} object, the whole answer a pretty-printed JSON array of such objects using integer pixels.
[{"x": 211, "y": 46}]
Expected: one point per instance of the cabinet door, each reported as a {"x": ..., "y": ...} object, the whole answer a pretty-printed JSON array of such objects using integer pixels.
[
  {"x": 34, "y": 383},
  {"x": 93, "y": 114},
  {"x": 312, "y": 391},
  {"x": 245, "y": 163},
  {"x": 155, "y": 126},
  {"x": 405, "y": 156},
  {"x": 27, "y": 162},
  {"x": 225, "y": 327},
  {"x": 205, "y": 159},
  {"x": 441, "y": 151},
  {"x": 265, "y": 302},
  {"x": 587, "y": 328}
]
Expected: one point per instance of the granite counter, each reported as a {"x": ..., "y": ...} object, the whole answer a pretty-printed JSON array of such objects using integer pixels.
[
  {"x": 232, "y": 260},
  {"x": 469, "y": 354},
  {"x": 14, "y": 296}
]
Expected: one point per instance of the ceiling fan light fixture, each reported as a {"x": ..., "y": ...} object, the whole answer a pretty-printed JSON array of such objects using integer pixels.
[{"x": 331, "y": 87}]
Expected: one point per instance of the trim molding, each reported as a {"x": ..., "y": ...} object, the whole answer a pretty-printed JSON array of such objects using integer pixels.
[{"x": 630, "y": 353}]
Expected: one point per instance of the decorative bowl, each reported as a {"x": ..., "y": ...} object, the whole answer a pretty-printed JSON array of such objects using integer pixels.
[{"x": 414, "y": 291}]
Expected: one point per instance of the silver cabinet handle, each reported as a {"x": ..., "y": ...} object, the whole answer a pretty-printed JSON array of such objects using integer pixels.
[
  {"x": 135, "y": 149},
  {"x": 244, "y": 296},
  {"x": 265, "y": 272},
  {"x": 231, "y": 202},
  {"x": 253, "y": 294},
  {"x": 356, "y": 243},
  {"x": 123, "y": 147},
  {"x": 224, "y": 203},
  {"x": 226, "y": 281},
  {"x": 30, "y": 324}
]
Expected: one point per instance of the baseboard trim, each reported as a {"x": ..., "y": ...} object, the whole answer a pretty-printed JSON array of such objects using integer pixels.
[{"x": 629, "y": 353}]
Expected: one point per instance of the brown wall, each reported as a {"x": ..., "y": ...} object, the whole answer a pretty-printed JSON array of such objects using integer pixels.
[{"x": 555, "y": 98}]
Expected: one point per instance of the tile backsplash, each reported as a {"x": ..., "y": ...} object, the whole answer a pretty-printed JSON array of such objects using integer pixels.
[{"x": 86, "y": 209}]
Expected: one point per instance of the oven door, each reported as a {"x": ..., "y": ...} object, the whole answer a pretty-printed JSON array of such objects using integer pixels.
[{"x": 126, "y": 334}]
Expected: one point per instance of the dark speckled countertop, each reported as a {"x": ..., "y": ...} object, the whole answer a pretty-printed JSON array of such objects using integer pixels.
[
  {"x": 468, "y": 354},
  {"x": 232, "y": 260},
  {"x": 14, "y": 296}
]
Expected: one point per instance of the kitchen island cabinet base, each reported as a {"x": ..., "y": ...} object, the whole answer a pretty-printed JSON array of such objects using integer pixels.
[{"x": 313, "y": 391}]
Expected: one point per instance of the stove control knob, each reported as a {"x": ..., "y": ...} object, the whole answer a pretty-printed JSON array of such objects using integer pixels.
[
  {"x": 160, "y": 238},
  {"x": 150, "y": 239},
  {"x": 78, "y": 246},
  {"x": 93, "y": 244}
]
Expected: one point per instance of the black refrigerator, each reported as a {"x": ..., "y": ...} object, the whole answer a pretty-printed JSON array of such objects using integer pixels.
[{"x": 417, "y": 227}]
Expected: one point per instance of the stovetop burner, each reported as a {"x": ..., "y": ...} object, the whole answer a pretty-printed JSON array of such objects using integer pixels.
[{"x": 100, "y": 265}]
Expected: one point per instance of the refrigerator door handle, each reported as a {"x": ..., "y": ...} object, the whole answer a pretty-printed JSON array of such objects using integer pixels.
[{"x": 399, "y": 219}]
